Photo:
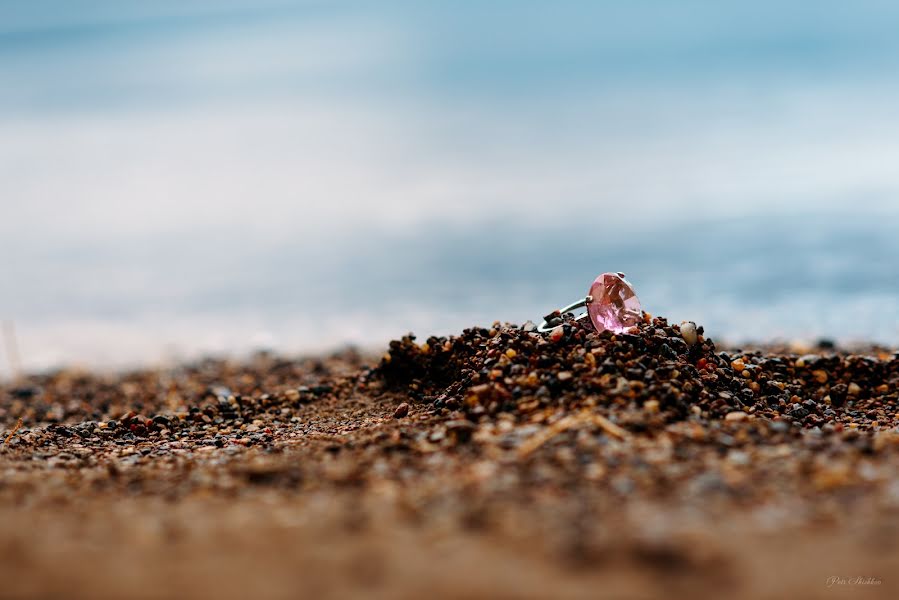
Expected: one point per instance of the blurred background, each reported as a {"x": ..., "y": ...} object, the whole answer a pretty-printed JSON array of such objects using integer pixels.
[{"x": 183, "y": 178}]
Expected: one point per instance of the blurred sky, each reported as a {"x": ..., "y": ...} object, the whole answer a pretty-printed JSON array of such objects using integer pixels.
[{"x": 189, "y": 177}]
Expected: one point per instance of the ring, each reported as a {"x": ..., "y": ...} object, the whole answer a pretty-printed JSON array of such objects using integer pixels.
[{"x": 612, "y": 305}]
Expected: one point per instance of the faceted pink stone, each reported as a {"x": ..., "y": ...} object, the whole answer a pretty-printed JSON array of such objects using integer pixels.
[{"x": 615, "y": 306}]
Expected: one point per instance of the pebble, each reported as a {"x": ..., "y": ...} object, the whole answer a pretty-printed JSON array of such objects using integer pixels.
[
  {"x": 738, "y": 458},
  {"x": 401, "y": 411},
  {"x": 807, "y": 359},
  {"x": 688, "y": 332}
]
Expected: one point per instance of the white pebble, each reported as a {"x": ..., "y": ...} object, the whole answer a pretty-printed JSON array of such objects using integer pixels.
[
  {"x": 688, "y": 332},
  {"x": 738, "y": 458}
]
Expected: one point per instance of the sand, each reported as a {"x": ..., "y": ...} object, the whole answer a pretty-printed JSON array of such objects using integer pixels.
[{"x": 499, "y": 463}]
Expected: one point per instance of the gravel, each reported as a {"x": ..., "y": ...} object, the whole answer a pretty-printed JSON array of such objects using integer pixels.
[{"x": 499, "y": 462}]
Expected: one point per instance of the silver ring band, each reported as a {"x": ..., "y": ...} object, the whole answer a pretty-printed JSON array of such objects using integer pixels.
[{"x": 554, "y": 319}]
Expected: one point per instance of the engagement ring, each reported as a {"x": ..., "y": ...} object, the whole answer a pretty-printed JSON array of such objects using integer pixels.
[{"x": 611, "y": 305}]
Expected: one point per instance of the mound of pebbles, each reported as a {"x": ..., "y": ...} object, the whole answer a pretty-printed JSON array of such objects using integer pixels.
[{"x": 652, "y": 376}]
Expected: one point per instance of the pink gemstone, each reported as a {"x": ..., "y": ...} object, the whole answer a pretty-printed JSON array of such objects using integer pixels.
[{"x": 615, "y": 306}]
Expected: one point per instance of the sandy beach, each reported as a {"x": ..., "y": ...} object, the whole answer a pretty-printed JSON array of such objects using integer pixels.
[
  {"x": 217, "y": 214},
  {"x": 497, "y": 463}
]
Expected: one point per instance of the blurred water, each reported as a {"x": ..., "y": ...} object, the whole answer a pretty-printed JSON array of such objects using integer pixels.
[{"x": 181, "y": 178}]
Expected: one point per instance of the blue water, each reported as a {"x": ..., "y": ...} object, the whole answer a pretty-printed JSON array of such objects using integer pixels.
[{"x": 184, "y": 178}]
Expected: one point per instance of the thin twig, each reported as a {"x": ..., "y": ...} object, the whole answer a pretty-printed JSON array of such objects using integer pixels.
[
  {"x": 538, "y": 439},
  {"x": 13, "y": 432},
  {"x": 541, "y": 437},
  {"x": 609, "y": 427}
]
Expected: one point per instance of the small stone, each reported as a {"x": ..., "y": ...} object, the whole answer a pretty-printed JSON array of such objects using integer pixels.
[
  {"x": 820, "y": 376},
  {"x": 838, "y": 394},
  {"x": 666, "y": 351},
  {"x": 688, "y": 332},
  {"x": 460, "y": 430},
  {"x": 798, "y": 412},
  {"x": 854, "y": 389},
  {"x": 738, "y": 365},
  {"x": 736, "y": 416},
  {"x": 162, "y": 421},
  {"x": 401, "y": 411},
  {"x": 738, "y": 457},
  {"x": 24, "y": 392},
  {"x": 779, "y": 426},
  {"x": 807, "y": 359},
  {"x": 557, "y": 334}
]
